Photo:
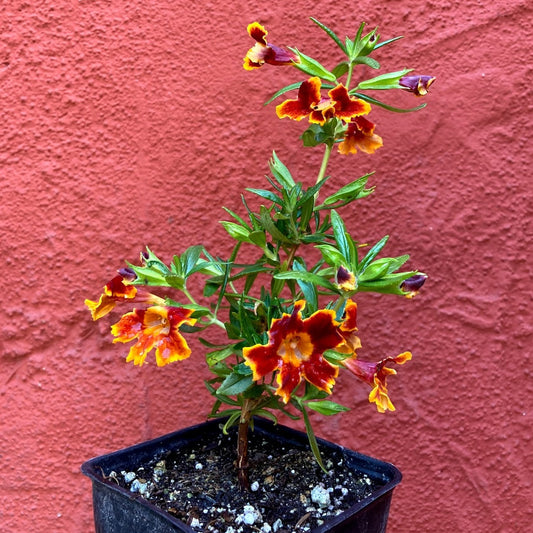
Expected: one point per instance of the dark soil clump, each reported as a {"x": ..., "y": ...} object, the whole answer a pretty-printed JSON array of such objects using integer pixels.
[{"x": 289, "y": 491}]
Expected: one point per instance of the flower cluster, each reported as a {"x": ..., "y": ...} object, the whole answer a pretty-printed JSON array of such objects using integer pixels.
[{"x": 290, "y": 338}]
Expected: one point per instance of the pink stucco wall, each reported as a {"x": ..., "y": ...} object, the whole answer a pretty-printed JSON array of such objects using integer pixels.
[{"x": 127, "y": 124}]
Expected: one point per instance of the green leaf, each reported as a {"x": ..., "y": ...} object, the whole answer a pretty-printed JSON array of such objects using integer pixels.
[
  {"x": 236, "y": 231},
  {"x": 326, "y": 407},
  {"x": 235, "y": 384},
  {"x": 313, "y": 67},
  {"x": 281, "y": 172},
  {"x": 189, "y": 258},
  {"x": 282, "y": 91},
  {"x": 331, "y": 33},
  {"x": 371, "y": 254},
  {"x": 385, "y": 43},
  {"x": 365, "y": 60},
  {"x": 390, "y": 80},
  {"x": 271, "y": 227},
  {"x": 268, "y": 195},
  {"x": 340, "y": 235},
  {"x": 341, "y": 69},
  {"x": 213, "y": 358},
  {"x": 308, "y": 289},
  {"x": 312, "y": 439},
  {"x": 388, "y": 107},
  {"x": 389, "y": 284},
  {"x": 351, "y": 191},
  {"x": 331, "y": 255},
  {"x": 236, "y": 217},
  {"x": 309, "y": 277}
]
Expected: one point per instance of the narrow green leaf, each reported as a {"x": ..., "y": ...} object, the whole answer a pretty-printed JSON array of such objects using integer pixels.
[
  {"x": 312, "y": 439},
  {"x": 270, "y": 226},
  {"x": 236, "y": 231},
  {"x": 190, "y": 258},
  {"x": 371, "y": 254},
  {"x": 307, "y": 277},
  {"x": 282, "y": 91},
  {"x": 331, "y": 33},
  {"x": 281, "y": 172},
  {"x": 349, "y": 191},
  {"x": 313, "y": 67},
  {"x": 390, "y": 80},
  {"x": 308, "y": 289},
  {"x": 389, "y": 41},
  {"x": 368, "y": 61},
  {"x": 213, "y": 358},
  {"x": 268, "y": 195},
  {"x": 388, "y": 107},
  {"x": 339, "y": 233},
  {"x": 326, "y": 407},
  {"x": 341, "y": 69},
  {"x": 236, "y": 217}
]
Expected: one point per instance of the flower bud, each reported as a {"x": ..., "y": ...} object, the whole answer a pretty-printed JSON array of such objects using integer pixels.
[
  {"x": 418, "y": 85},
  {"x": 127, "y": 274},
  {"x": 413, "y": 284}
]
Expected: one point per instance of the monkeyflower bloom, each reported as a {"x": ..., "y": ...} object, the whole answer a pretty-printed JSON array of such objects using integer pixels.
[
  {"x": 418, "y": 85},
  {"x": 375, "y": 374},
  {"x": 117, "y": 291},
  {"x": 155, "y": 327},
  {"x": 295, "y": 350},
  {"x": 347, "y": 329},
  {"x": 360, "y": 135},
  {"x": 345, "y": 279},
  {"x": 263, "y": 52},
  {"x": 310, "y": 103}
]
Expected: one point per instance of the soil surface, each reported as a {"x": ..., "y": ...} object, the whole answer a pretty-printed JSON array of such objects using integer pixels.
[{"x": 289, "y": 491}]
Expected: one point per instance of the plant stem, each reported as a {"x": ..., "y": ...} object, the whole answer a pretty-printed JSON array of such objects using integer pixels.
[
  {"x": 349, "y": 76},
  {"x": 324, "y": 165},
  {"x": 242, "y": 446}
]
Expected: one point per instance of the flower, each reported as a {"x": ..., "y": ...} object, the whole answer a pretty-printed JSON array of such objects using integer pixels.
[
  {"x": 347, "y": 329},
  {"x": 262, "y": 52},
  {"x": 114, "y": 291},
  {"x": 345, "y": 279},
  {"x": 295, "y": 350},
  {"x": 156, "y": 327},
  {"x": 310, "y": 103},
  {"x": 418, "y": 85},
  {"x": 360, "y": 135},
  {"x": 375, "y": 374}
]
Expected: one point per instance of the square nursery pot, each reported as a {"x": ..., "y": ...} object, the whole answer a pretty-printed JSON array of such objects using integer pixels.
[{"x": 118, "y": 510}]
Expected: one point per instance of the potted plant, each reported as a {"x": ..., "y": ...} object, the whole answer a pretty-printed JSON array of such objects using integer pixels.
[{"x": 290, "y": 328}]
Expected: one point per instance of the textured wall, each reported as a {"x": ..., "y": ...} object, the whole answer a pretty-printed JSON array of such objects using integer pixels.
[{"x": 130, "y": 123}]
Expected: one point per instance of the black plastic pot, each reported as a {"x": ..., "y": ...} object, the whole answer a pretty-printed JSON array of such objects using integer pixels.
[{"x": 116, "y": 510}]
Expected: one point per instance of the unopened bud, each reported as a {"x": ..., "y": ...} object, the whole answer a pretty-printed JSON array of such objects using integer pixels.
[
  {"x": 413, "y": 284},
  {"x": 127, "y": 274},
  {"x": 418, "y": 85}
]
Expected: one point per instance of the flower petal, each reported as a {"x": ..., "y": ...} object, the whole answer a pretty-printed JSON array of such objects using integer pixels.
[
  {"x": 308, "y": 97},
  {"x": 360, "y": 135},
  {"x": 347, "y": 107}
]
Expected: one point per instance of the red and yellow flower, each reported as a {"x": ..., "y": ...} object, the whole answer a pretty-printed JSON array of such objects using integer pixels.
[
  {"x": 375, "y": 374},
  {"x": 310, "y": 103},
  {"x": 117, "y": 291},
  {"x": 156, "y": 327},
  {"x": 295, "y": 351},
  {"x": 114, "y": 291},
  {"x": 347, "y": 330},
  {"x": 263, "y": 52},
  {"x": 360, "y": 135}
]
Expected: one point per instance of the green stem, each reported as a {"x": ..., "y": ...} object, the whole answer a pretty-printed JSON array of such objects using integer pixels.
[
  {"x": 349, "y": 76},
  {"x": 324, "y": 165}
]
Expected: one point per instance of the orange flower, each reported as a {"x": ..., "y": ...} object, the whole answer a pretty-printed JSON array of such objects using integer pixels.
[
  {"x": 156, "y": 327},
  {"x": 360, "y": 135},
  {"x": 262, "y": 52},
  {"x": 375, "y": 374},
  {"x": 347, "y": 329},
  {"x": 114, "y": 291},
  {"x": 308, "y": 104},
  {"x": 295, "y": 350}
]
